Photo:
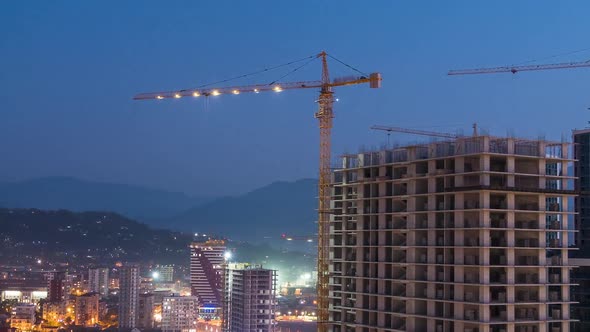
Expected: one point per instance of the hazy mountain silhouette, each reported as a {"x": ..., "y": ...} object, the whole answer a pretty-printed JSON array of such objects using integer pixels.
[
  {"x": 265, "y": 213},
  {"x": 52, "y": 193},
  {"x": 260, "y": 215},
  {"x": 65, "y": 236},
  {"x": 62, "y": 236}
]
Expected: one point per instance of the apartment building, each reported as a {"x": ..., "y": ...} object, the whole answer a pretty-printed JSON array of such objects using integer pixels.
[
  {"x": 206, "y": 270},
  {"x": 129, "y": 280},
  {"x": 465, "y": 235},
  {"x": 250, "y": 298},
  {"x": 180, "y": 313},
  {"x": 87, "y": 309},
  {"x": 98, "y": 281}
]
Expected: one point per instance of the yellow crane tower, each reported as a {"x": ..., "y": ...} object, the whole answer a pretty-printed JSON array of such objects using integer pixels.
[{"x": 325, "y": 114}]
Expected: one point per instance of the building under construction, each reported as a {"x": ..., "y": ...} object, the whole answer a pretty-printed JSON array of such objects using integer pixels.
[{"x": 468, "y": 234}]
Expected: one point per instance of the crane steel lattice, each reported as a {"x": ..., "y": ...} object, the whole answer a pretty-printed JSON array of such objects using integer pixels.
[
  {"x": 325, "y": 114},
  {"x": 415, "y": 131},
  {"x": 516, "y": 69}
]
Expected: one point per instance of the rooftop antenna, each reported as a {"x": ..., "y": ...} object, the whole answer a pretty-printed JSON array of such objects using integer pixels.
[{"x": 475, "y": 129}]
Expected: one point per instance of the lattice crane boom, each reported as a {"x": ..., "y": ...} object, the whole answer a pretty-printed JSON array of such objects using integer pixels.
[
  {"x": 325, "y": 114},
  {"x": 516, "y": 69},
  {"x": 257, "y": 88},
  {"x": 415, "y": 131}
]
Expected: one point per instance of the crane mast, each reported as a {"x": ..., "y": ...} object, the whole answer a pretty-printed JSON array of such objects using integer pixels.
[{"x": 324, "y": 115}]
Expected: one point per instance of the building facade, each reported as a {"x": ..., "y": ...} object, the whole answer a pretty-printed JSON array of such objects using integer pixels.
[
  {"x": 129, "y": 280},
  {"x": 145, "y": 311},
  {"x": 462, "y": 235},
  {"x": 87, "y": 309},
  {"x": 98, "y": 281},
  {"x": 581, "y": 149},
  {"x": 249, "y": 298},
  {"x": 180, "y": 313},
  {"x": 22, "y": 317},
  {"x": 57, "y": 289},
  {"x": 206, "y": 270},
  {"x": 166, "y": 273}
]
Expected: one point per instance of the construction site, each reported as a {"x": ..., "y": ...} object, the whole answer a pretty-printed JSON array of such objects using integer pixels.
[{"x": 468, "y": 233}]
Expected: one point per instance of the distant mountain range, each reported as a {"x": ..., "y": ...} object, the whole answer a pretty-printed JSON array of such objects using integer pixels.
[
  {"x": 84, "y": 237},
  {"x": 61, "y": 236},
  {"x": 52, "y": 193},
  {"x": 260, "y": 215},
  {"x": 265, "y": 213}
]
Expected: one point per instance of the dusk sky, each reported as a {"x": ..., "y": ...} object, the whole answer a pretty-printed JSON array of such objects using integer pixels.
[{"x": 70, "y": 70}]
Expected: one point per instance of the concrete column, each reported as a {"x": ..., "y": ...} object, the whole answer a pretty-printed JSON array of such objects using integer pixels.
[
  {"x": 510, "y": 219},
  {"x": 486, "y": 143},
  {"x": 510, "y": 201},
  {"x": 510, "y": 143},
  {"x": 510, "y": 238}
]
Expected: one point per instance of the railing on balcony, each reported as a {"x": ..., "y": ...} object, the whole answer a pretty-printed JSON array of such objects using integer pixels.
[
  {"x": 527, "y": 278},
  {"x": 527, "y": 206},
  {"x": 498, "y": 242},
  {"x": 471, "y": 314},
  {"x": 525, "y": 296},
  {"x": 526, "y": 224},
  {"x": 527, "y": 243},
  {"x": 498, "y": 223},
  {"x": 527, "y": 260},
  {"x": 555, "y": 261},
  {"x": 526, "y": 314}
]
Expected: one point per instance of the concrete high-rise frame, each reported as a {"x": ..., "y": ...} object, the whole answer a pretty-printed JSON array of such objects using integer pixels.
[
  {"x": 250, "y": 298},
  {"x": 129, "y": 280},
  {"x": 463, "y": 235},
  {"x": 98, "y": 281},
  {"x": 582, "y": 171}
]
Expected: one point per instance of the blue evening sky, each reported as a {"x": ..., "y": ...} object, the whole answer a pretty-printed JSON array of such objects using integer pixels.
[{"x": 70, "y": 68}]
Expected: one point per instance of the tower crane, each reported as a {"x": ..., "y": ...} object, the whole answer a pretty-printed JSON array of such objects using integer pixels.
[{"x": 325, "y": 114}]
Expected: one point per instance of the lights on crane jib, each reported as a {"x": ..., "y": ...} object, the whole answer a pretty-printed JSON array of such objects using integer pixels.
[
  {"x": 159, "y": 97},
  {"x": 256, "y": 91},
  {"x": 177, "y": 95},
  {"x": 236, "y": 92},
  {"x": 196, "y": 94},
  {"x": 215, "y": 93},
  {"x": 277, "y": 88}
]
